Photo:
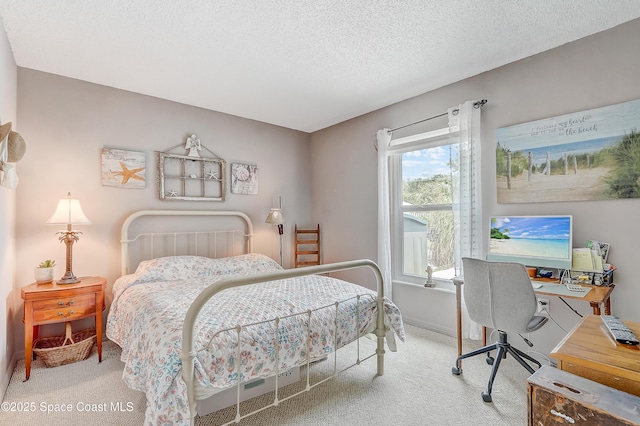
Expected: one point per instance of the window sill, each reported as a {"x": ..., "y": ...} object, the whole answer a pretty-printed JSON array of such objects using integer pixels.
[{"x": 442, "y": 286}]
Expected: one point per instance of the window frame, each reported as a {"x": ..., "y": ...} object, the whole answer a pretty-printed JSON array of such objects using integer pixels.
[{"x": 433, "y": 139}]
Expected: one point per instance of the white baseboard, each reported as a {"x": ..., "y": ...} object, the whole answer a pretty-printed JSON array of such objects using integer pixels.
[
  {"x": 429, "y": 326},
  {"x": 6, "y": 377}
]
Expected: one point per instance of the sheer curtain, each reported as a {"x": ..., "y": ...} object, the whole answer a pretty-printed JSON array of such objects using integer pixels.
[
  {"x": 384, "y": 210},
  {"x": 464, "y": 128}
]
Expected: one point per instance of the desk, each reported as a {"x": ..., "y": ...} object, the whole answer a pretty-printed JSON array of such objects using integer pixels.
[
  {"x": 599, "y": 295},
  {"x": 591, "y": 352}
]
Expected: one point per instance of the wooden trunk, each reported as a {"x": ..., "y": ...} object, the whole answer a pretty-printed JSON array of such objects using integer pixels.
[{"x": 558, "y": 398}]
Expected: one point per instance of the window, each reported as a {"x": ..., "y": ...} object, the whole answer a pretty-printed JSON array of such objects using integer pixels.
[
  {"x": 417, "y": 211},
  {"x": 422, "y": 208}
]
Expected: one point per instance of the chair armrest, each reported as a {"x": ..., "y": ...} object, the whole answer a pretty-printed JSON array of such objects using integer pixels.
[{"x": 458, "y": 280}]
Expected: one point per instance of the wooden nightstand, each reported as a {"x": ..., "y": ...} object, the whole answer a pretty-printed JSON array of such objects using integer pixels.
[{"x": 53, "y": 303}]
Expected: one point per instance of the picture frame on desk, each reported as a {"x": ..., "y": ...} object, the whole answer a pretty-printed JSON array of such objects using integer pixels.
[{"x": 601, "y": 247}]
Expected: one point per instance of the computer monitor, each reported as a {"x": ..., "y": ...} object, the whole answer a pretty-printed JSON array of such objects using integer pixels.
[{"x": 540, "y": 241}]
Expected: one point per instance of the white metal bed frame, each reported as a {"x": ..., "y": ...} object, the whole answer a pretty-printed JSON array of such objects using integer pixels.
[
  {"x": 188, "y": 354},
  {"x": 127, "y": 268}
]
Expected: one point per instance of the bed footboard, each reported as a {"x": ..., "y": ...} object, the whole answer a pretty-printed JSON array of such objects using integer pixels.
[{"x": 189, "y": 353}]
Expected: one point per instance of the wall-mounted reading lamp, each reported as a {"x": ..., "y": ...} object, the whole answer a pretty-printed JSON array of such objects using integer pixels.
[{"x": 276, "y": 217}]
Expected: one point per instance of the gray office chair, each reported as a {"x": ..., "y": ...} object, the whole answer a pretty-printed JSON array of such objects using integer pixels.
[{"x": 499, "y": 295}]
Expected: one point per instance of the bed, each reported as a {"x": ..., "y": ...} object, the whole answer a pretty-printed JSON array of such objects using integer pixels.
[{"x": 201, "y": 314}]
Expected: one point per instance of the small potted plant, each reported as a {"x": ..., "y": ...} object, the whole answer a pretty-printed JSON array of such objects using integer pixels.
[{"x": 44, "y": 271}]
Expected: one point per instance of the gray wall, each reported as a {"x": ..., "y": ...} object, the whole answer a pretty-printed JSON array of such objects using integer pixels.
[
  {"x": 592, "y": 72},
  {"x": 67, "y": 122},
  {"x": 8, "y": 100}
]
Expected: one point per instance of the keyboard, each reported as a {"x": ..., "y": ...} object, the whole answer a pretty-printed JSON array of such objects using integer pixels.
[
  {"x": 619, "y": 330},
  {"x": 575, "y": 287}
]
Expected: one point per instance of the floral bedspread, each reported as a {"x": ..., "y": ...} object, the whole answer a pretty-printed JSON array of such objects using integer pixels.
[{"x": 150, "y": 305}]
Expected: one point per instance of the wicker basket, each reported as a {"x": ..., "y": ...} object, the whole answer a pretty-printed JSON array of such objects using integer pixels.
[{"x": 66, "y": 349}]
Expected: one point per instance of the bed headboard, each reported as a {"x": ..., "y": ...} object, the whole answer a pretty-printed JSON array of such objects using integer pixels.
[{"x": 148, "y": 234}]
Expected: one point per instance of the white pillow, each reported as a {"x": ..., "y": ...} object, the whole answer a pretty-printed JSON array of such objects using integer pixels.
[{"x": 172, "y": 268}]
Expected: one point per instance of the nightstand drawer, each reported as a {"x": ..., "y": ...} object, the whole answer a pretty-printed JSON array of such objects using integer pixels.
[
  {"x": 63, "y": 314},
  {"x": 71, "y": 301},
  {"x": 66, "y": 309}
]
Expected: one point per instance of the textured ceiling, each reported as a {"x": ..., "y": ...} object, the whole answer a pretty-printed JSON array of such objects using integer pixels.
[{"x": 301, "y": 64}]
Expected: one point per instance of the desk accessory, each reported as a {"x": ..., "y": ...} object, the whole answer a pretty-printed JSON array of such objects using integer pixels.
[
  {"x": 575, "y": 287},
  {"x": 619, "y": 330},
  {"x": 536, "y": 284}
]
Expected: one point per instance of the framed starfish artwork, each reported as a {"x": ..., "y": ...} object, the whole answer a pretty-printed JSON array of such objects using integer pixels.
[{"x": 123, "y": 169}]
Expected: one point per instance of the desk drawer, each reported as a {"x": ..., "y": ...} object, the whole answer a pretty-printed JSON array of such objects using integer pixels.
[
  {"x": 621, "y": 383},
  {"x": 68, "y": 308}
]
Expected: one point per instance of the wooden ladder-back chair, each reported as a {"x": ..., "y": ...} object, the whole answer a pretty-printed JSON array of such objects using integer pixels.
[{"x": 307, "y": 246}]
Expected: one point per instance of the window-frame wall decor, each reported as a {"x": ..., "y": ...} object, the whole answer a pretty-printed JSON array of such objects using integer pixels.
[
  {"x": 573, "y": 157},
  {"x": 191, "y": 177},
  {"x": 244, "y": 179},
  {"x": 123, "y": 169}
]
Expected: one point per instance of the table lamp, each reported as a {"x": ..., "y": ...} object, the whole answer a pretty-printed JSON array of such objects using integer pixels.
[{"x": 68, "y": 213}]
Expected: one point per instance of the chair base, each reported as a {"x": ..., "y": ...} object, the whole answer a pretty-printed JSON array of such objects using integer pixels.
[{"x": 503, "y": 347}]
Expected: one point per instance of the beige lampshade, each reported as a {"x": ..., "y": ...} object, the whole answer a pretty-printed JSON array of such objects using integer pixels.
[
  {"x": 69, "y": 212},
  {"x": 275, "y": 217}
]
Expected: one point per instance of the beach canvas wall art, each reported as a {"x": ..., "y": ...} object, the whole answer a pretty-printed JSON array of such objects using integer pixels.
[{"x": 588, "y": 155}]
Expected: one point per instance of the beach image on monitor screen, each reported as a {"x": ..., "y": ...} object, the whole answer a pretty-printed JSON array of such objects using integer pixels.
[{"x": 531, "y": 236}]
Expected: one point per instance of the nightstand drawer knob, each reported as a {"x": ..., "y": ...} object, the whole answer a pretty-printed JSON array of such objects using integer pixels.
[
  {"x": 71, "y": 312},
  {"x": 71, "y": 302},
  {"x": 60, "y": 303},
  {"x": 60, "y": 314}
]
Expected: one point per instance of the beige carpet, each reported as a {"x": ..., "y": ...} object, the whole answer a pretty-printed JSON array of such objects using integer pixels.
[{"x": 416, "y": 389}]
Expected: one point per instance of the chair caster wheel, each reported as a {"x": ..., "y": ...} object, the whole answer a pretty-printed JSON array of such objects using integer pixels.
[
  {"x": 490, "y": 360},
  {"x": 486, "y": 396},
  {"x": 456, "y": 371}
]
